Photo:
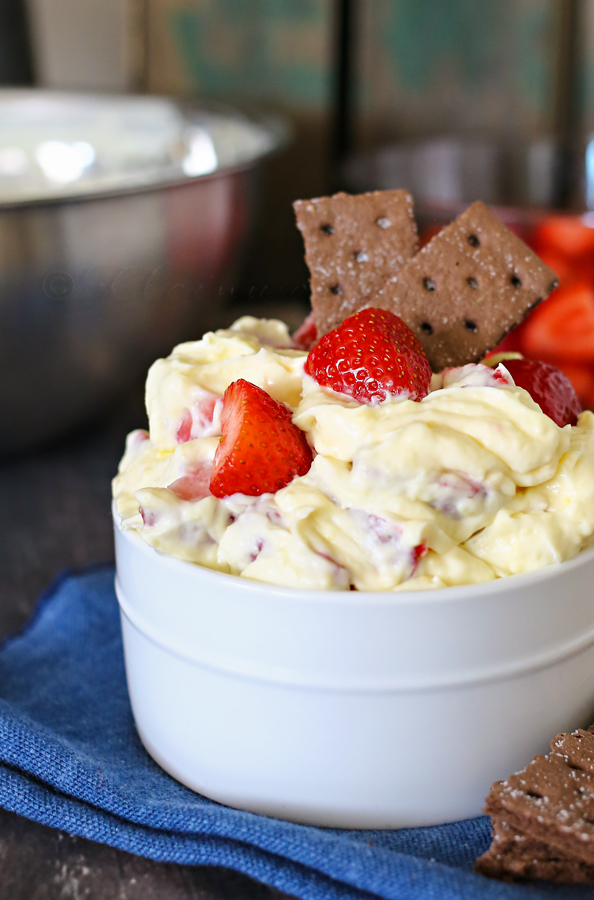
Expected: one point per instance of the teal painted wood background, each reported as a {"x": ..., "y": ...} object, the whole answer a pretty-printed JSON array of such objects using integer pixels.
[
  {"x": 272, "y": 50},
  {"x": 424, "y": 66},
  {"x": 429, "y": 66}
]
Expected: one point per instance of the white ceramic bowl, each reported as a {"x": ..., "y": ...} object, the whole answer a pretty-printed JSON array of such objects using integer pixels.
[{"x": 352, "y": 709}]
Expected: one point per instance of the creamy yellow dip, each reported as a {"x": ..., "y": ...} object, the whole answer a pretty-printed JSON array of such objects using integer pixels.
[{"x": 470, "y": 484}]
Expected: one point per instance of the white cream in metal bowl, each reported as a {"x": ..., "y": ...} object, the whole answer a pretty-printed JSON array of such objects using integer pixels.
[
  {"x": 122, "y": 222},
  {"x": 352, "y": 709}
]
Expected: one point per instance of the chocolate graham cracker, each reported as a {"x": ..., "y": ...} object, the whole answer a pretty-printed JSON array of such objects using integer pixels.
[
  {"x": 514, "y": 856},
  {"x": 353, "y": 245},
  {"x": 543, "y": 816},
  {"x": 470, "y": 285}
]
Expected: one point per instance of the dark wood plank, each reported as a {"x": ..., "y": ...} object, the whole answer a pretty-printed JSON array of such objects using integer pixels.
[{"x": 39, "y": 863}]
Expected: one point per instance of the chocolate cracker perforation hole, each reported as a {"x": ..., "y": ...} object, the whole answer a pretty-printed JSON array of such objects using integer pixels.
[
  {"x": 534, "y": 794},
  {"x": 383, "y": 222},
  {"x": 336, "y": 290},
  {"x": 473, "y": 240},
  {"x": 426, "y": 327},
  {"x": 327, "y": 228},
  {"x": 516, "y": 282},
  {"x": 472, "y": 282},
  {"x": 470, "y": 325},
  {"x": 428, "y": 284}
]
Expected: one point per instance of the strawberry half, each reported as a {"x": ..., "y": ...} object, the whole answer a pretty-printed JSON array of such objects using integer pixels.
[
  {"x": 371, "y": 355},
  {"x": 549, "y": 387},
  {"x": 261, "y": 450}
]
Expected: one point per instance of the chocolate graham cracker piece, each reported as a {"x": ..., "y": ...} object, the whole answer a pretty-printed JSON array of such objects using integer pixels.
[
  {"x": 543, "y": 816},
  {"x": 470, "y": 285},
  {"x": 353, "y": 245},
  {"x": 515, "y": 857}
]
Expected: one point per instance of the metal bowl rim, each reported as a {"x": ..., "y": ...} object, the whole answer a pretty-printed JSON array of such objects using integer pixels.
[{"x": 277, "y": 127}]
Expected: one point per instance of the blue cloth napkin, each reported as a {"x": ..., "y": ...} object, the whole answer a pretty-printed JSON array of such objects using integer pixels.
[{"x": 70, "y": 758}]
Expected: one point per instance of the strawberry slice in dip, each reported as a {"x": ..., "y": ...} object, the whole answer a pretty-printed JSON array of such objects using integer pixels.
[
  {"x": 261, "y": 450},
  {"x": 476, "y": 375},
  {"x": 202, "y": 419},
  {"x": 195, "y": 483}
]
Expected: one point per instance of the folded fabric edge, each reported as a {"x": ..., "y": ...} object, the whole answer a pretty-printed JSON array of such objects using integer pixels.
[
  {"x": 37, "y": 802},
  {"x": 413, "y": 870},
  {"x": 22, "y": 794}
]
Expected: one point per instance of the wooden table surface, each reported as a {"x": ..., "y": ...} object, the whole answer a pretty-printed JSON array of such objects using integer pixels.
[{"x": 55, "y": 507}]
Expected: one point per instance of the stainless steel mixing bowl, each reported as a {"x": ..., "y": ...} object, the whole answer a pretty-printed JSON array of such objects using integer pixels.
[{"x": 122, "y": 220}]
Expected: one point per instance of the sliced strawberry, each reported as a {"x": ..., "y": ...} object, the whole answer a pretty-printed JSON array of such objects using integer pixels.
[
  {"x": 184, "y": 429},
  {"x": 563, "y": 326},
  {"x": 306, "y": 335},
  {"x": 474, "y": 375},
  {"x": 194, "y": 484},
  {"x": 149, "y": 518},
  {"x": 549, "y": 387},
  {"x": 419, "y": 552},
  {"x": 201, "y": 419},
  {"x": 569, "y": 235},
  {"x": 371, "y": 355},
  {"x": 261, "y": 450}
]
